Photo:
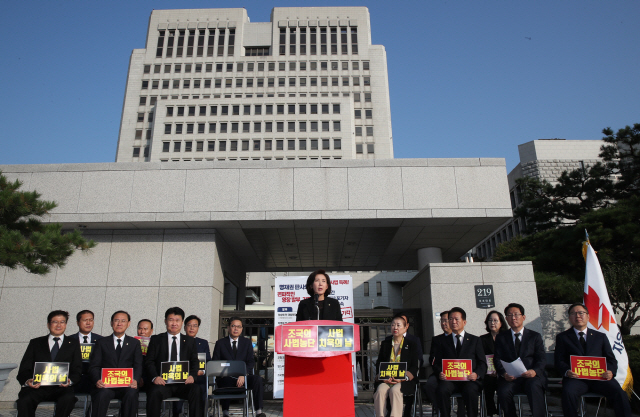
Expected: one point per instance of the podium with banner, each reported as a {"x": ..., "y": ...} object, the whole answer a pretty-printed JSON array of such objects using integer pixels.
[{"x": 318, "y": 377}]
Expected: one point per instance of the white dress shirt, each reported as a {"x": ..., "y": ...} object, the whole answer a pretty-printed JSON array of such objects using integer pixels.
[
  {"x": 115, "y": 342},
  {"x": 583, "y": 331},
  {"x": 455, "y": 340},
  {"x": 51, "y": 341},
  {"x": 513, "y": 335},
  {"x": 81, "y": 337}
]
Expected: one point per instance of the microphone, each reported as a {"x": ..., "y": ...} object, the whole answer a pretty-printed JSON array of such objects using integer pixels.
[{"x": 315, "y": 297}]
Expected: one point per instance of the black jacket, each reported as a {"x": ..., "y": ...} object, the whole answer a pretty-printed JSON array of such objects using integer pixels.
[
  {"x": 531, "y": 352},
  {"x": 471, "y": 349},
  {"x": 567, "y": 344},
  {"x": 409, "y": 355},
  {"x": 158, "y": 352},
  {"x": 38, "y": 351},
  {"x": 223, "y": 351},
  {"x": 307, "y": 310},
  {"x": 104, "y": 356}
]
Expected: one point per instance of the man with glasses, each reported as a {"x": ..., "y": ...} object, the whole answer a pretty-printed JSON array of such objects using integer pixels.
[
  {"x": 236, "y": 348},
  {"x": 581, "y": 341},
  {"x": 191, "y": 328},
  {"x": 55, "y": 347},
  {"x": 171, "y": 346},
  {"x": 527, "y": 345}
]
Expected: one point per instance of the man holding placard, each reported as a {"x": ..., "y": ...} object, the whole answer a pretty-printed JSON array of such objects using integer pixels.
[
  {"x": 460, "y": 363},
  {"x": 42, "y": 369},
  {"x": 582, "y": 345},
  {"x": 87, "y": 339},
  {"x": 116, "y": 369},
  {"x": 520, "y": 349},
  {"x": 171, "y": 365}
]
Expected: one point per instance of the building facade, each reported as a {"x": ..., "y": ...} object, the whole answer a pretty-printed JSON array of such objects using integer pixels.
[
  {"x": 211, "y": 85},
  {"x": 544, "y": 159}
]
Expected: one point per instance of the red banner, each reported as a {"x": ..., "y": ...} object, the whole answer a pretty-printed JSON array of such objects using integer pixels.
[
  {"x": 117, "y": 377},
  {"x": 456, "y": 369},
  {"x": 589, "y": 367},
  {"x": 300, "y": 338}
]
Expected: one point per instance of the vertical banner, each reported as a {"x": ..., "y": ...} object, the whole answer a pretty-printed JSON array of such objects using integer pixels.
[{"x": 289, "y": 292}]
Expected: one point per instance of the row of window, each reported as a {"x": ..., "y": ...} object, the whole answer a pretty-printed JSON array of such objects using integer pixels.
[
  {"x": 255, "y": 145},
  {"x": 488, "y": 247},
  {"x": 296, "y": 39},
  {"x": 255, "y": 158},
  {"x": 234, "y": 110},
  {"x": 260, "y": 66},
  {"x": 176, "y": 40},
  {"x": 357, "y": 97},
  {"x": 257, "y": 82},
  {"x": 234, "y": 127},
  {"x": 360, "y": 148}
]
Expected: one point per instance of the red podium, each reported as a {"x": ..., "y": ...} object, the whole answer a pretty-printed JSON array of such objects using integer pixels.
[{"x": 318, "y": 375}]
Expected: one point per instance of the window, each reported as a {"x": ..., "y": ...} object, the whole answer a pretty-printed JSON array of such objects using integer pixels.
[
  {"x": 379, "y": 288},
  {"x": 369, "y": 130},
  {"x": 202, "y": 111},
  {"x": 367, "y": 80},
  {"x": 260, "y": 82},
  {"x": 176, "y": 146},
  {"x": 186, "y": 83},
  {"x": 264, "y": 51},
  {"x": 272, "y": 66},
  {"x": 228, "y": 82},
  {"x": 314, "y": 109},
  {"x": 199, "y": 146},
  {"x": 356, "y": 97},
  {"x": 279, "y": 145},
  {"x": 324, "y": 82},
  {"x": 187, "y": 68},
  {"x": 196, "y": 83},
  {"x": 147, "y": 69},
  {"x": 313, "y": 81},
  {"x": 245, "y": 145},
  {"x": 213, "y": 110},
  {"x": 222, "y": 146},
  {"x": 358, "y": 113},
  {"x": 336, "y": 126},
  {"x": 154, "y": 84},
  {"x": 280, "y": 109},
  {"x": 180, "y": 111},
  {"x": 268, "y": 126},
  {"x": 257, "y": 126},
  {"x": 337, "y": 144},
  {"x": 292, "y": 82},
  {"x": 246, "y": 127},
  {"x": 223, "y": 127},
  {"x": 369, "y": 147},
  {"x": 249, "y": 82},
  {"x": 345, "y": 81},
  {"x": 314, "y": 126},
  {"x": 239, "y": 82},
  {"x": 169, "y": 111},
  {"x": 192, "y": 110},
  {"x": 358, "y": 148},
  {"x": 269, "y": 109},
  {"x": 279, "y": 126},
  {"x": 366, "y": 289},
  {"x": 270, "y": 82},
  {"x": 189, "y": 128},
  {"x": 257, "y": 109},
  {"x": 256, "y": 145},
  {"x": 143, "y": 101},
  {"x": 356, "y": 81},
  {"x": 314, "y": 144},
  {"x": 325, "y": 109},
  {"x": 368, "y": 113},
  {"x": 236, "y": 110},
  {"x": 336, "y": 109},
  {"x": 209, "y": 67},
  {"x": 201, "y": 127},
  {"x": 156, "y": 69},
  {"x": 267, "y": 145},
  {"x": 281, "y": 82},
  {"x": 302, "y": 144},
  {"x": 212, "y": 128},
  {"x": 325, "y": 144},
  {"x": 325, "y": 126},
  {"x": 166, "y": 146},
  {"x": 167, "y": 129},
  {"x": 367, "y": 97},
  {"x": 234, "y": 127},
  {"x": 303, "y": 126},
  {"x": 141, "y": 117},
  {"x": 234, "y": 145},
  {"x": 291, "y": 127},
  {"x": 291, "y": 109},
  {"x": 145, "y": 84},
  {"x": 291, "y": 145},
  {"x": 138, "y": 134}
]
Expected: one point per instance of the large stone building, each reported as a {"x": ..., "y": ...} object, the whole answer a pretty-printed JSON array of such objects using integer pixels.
[
  {"x": 544, "y": 159},
  {"x": 211, "y": 85}
]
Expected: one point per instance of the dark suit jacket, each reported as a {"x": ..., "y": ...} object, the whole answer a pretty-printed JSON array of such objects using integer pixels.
[
  {"x": 531, "y": 352},
  {"x": 488, "y": 344},
  {"x": 413, "y": 339},
  {"x": 471, "y": 349},
  {"x": 223, "y": 351},
  {"x": 158, "y": 352},
  {"x": 567, "y": 344},
  {"x": 94, "y": 338},
  {"x": 307, "y": 310},
  {"x": 432, "y": 349},
  {"x": 38, "y": 351},
  {"x": 409, "y": 355},
  {"x": 104, "y": 356}
]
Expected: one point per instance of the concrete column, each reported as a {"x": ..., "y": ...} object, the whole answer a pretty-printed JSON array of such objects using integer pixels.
[{"x": 429, "y": 256}]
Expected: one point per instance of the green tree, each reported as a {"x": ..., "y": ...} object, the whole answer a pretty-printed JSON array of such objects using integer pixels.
[
  {"x": 623, "y": 286},
  {"x": 27, "y": 242}
]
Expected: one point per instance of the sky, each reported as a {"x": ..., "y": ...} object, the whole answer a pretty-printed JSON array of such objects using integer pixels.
[{"x": 467, "y": 79}]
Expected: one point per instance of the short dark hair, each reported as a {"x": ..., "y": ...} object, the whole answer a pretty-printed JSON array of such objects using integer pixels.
[
  {"x": 312, "y": 278},
  {"x": 402, "y": 316},
  {"x": 174, "y": 310},
  {"x": 458, "y": 310},
  {"x": 574, "y": 305},
  {"x": 83, "y": 312},
  {"x": 58, "y": 313},
  {"x": 503, "y": 322},
  {"x": 444, "y": 312},
  {"x": 514, "y": 305},
  {"x": 235, "y": 318},
  {"x": 150, "y": 322},
  {"x": 123, "y": 312},
  {"x": 192, "y": 317}
]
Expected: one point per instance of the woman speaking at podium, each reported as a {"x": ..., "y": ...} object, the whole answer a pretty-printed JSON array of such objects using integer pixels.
[{"x": 319, "y": 306}]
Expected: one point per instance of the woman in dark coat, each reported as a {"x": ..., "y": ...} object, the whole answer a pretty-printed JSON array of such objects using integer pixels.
[
  {"x": 494, "y": 323},
  {"x": 396, "y": 349},
  {"x": 319, "y": 286}
]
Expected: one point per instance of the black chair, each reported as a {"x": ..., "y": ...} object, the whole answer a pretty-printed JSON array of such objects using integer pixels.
[{"x": 221, "y": 369}]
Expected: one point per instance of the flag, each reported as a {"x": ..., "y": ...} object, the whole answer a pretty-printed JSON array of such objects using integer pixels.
[{"x": 601, "y": 317}]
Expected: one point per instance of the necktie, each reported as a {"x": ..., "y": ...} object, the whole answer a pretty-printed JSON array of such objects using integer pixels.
[
  {"x": 85, "y": 339},
  {"x": 119, "y": 349},
  {"x": 458, "y": 345},
  {"x": 174, "y": 350},
  {"x": 235, "y": 349},
  {"x": 583, "y": 342},
  {"x": 517, "y": 344},
  {"x": 55, "y": 349}
]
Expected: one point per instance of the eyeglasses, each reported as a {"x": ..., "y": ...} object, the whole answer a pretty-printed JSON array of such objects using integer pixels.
[
  {"x": 494, "y": 321},
  {"x": 578, "y": 313},
  {"x": 119, "y": 321},
  {"x": 514, "y": 316},
  {"x": 234, "y": 326},
  {"x": 192, "y": 326},
  {"x": 55, "y": 323}
]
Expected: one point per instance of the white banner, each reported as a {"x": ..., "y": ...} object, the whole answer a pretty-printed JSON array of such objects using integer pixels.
[{"x": 289, "y": 292}]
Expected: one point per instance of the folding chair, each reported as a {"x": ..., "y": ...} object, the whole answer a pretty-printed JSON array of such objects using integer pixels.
[
  {"x": 172, "y": 400},
  {"x": 221, "y": 369},
  {"x": 583, "y": 408}
]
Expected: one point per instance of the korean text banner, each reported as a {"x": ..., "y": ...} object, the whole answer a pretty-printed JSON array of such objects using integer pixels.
[
  {"x": 397, "y": 370},
  {"x": 85, "y": 350},
  {"x": 51, "y": 373},
  {"x": 589, "y": 367},
  {"x": 144, "y": 344},
  {"x": 456, "y": 369},
  {"x": 117, "y": 377},
  {"x": 289, "y": 291},
  {"x": 175, "y": 372}
]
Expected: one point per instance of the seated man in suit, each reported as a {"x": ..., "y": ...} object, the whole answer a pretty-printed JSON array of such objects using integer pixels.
[
  {"x": 236, "y": 348},
  {"x": 84, "y": 319},
  {"x": 145, "y": 328},
  {"x": 527, "y": 345},
  {"x": 117, "y": 351},
  {"x": 55, "y": 347},
  {"x": 172, "y": 346},
  {"x": 191, "y": 327},
  {"x": 580, "y": 341},
  {"x": 459, "y": 345}
]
